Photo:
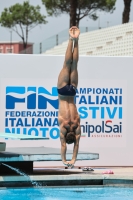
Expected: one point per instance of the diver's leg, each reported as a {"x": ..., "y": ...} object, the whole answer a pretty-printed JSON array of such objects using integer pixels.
[
  {"x": 74, "y": 71},
  {"x": 64, "y": 76}
]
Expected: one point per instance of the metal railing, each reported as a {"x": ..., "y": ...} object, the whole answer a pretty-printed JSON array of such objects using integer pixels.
[{"x": 53, "y": 41}]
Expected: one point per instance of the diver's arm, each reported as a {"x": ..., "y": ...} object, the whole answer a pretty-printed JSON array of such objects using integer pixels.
[
  {"x": 75, "y": 149},
  {"x": 76, "y": 146},
  {"x": 63, "y": 147}
]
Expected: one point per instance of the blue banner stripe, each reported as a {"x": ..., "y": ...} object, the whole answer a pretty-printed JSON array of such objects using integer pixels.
[
  {"x": 33, "y": 89},
  {"x": 19, "y": 90}
]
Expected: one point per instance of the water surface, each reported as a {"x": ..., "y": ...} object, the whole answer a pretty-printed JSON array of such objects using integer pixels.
[{"x": 105, "y": 193}]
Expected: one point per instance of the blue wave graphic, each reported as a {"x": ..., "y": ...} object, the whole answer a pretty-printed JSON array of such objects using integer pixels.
[
  {"x": 44, "y": 91},
  {"x": 19, "y": 90},
  {"x": 10, "y": 101},
  {"x": 33, "y": 89},
  {"x": 17, "y": 95},
  {"x": 42, "y": 102}
]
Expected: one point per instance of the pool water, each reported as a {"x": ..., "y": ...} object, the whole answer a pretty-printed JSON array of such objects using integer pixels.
[{"x": 105, "y": 193}]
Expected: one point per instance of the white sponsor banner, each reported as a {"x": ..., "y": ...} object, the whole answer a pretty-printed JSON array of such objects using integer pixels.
[
  {"x": 104, "y": 101},
  {"x": 30, "y": 107}
]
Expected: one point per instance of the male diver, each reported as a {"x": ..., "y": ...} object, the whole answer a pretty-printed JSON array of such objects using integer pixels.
[{"x": 69, "y": 120}]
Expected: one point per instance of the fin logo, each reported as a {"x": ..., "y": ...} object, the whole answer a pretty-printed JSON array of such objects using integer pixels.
[{"x": 33, "y": 97}]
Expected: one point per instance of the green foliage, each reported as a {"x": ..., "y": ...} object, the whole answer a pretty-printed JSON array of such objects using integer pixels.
[
  {"x": 24, "y": 16},
  {"x": 84, "y": 7}
]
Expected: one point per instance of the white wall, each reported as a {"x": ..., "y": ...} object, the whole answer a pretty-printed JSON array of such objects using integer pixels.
[{"x": 94, "y": 72}]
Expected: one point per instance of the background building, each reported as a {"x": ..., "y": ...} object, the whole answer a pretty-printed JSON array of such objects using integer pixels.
[{"x": 15, "y": 47}]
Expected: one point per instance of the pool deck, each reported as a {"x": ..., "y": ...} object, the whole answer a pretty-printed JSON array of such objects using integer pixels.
[{"x": 59, "y": 176}]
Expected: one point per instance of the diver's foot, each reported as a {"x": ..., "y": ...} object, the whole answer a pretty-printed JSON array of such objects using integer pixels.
[{"x": 74, "y": 33}]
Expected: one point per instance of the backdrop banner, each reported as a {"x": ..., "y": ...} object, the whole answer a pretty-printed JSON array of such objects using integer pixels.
[{"x": 29, "y": 104}]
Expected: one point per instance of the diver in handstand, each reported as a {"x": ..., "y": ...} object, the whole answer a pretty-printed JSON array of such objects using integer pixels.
[{"x": 69, "y": 120}]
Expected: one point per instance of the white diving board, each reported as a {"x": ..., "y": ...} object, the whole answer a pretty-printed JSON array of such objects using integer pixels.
[
  {"x": 41, "y": 154},
  {"x": 21, "y": 137}
]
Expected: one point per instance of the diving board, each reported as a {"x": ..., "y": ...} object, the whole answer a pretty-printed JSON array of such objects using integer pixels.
[
  {"x": 24, "y": 157},
  {"x": 21, "y": 137},
  {"x": 18, "y": 137},
  {"x": 41, "y": 154}
]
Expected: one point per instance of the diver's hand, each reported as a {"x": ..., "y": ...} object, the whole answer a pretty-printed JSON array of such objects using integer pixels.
[
  {"x": 72, "y": 162},
  {"x": 66, "y": 163}
]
